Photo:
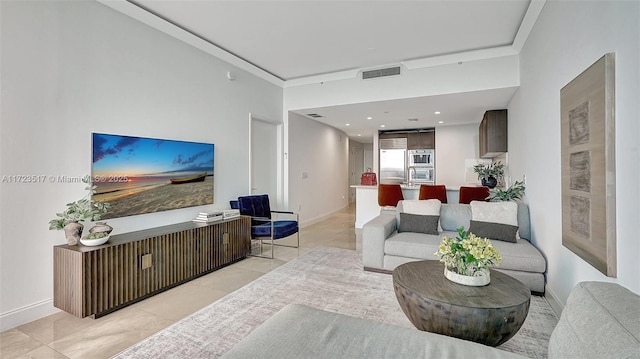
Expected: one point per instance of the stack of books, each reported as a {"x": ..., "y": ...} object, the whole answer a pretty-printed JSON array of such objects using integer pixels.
[
  {"x": 206, "y": 217},
  {"x": 230, "y": 213}
]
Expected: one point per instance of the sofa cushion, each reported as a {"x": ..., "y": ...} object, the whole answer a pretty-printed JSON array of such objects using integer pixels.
[
  {"x": 522, "y": 255},
  {"x": 497, "y": 231},
  {"x": 418, "y": 223},
  {"x": 600, "y": 320},
  {"x": 414, "y": 245}
]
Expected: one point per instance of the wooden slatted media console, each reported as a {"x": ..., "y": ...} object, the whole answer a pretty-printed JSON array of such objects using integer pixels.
[{"x": 134, "y": 266}]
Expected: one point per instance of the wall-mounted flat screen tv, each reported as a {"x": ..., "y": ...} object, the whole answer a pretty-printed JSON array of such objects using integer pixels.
[{"x": 138, "y": 175}]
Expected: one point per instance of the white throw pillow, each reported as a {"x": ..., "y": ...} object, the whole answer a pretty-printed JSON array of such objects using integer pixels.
[
  {"x": 495, "y": 212},
  {"x": 425, "y": 207},
  {"x": 505, "y": 212},
  {"x": 429, "y": 207}
]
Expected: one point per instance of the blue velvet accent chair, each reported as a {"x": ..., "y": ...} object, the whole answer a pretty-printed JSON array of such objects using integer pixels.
[{"x": 264, "y": 227}]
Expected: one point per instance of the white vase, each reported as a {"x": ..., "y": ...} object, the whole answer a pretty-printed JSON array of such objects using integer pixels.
[
  {"x": 481, "y": 278},
  {"x": 94, "y": 242}
]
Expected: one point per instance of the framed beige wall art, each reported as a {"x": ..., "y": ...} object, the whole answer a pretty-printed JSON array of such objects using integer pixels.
[{"x": 587, "y": 106}]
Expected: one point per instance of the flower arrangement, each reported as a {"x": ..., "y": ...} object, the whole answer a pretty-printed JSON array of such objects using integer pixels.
[{"x": 467, "y": 253}]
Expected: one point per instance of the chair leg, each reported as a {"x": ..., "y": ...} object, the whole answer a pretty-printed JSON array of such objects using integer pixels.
[
  {"x": 273, "y": 244},
  {"x": 260, "y": 241},
  {"x": 290, "y": 245}
]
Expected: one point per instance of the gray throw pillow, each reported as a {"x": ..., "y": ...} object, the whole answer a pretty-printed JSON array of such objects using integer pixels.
[
  {"x": 418, "y": 223},
  {"x": 497, "y": 231}
]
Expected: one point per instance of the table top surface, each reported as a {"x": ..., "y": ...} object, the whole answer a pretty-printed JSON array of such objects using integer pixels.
[
  {"x": 123, "y": 238},
  {"x": 426, "y": 278}
]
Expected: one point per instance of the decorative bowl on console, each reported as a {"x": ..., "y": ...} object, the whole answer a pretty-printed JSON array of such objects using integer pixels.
[
  {"x": 101, "y": 227},
  {"x": 95, "y": 239}
]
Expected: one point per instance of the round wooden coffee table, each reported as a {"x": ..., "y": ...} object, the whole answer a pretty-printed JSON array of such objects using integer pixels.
[{"x": 490, "y": 315}]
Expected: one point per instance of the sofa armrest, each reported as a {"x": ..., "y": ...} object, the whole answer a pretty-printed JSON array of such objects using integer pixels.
[
  {"x": 374, "y": 233},
  {"x": 600, "y": 320}
]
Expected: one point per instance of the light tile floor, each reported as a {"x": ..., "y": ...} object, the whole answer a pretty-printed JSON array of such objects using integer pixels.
[{"x": 62, "y": 335}]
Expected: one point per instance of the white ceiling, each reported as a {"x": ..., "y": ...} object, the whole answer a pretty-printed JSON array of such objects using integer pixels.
[
  {"x": 455, "y": 109},
  {"x": 295, "y": 39}
]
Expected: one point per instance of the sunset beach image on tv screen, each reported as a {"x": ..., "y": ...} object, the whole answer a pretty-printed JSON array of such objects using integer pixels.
[{"x": 138, "y": 175}]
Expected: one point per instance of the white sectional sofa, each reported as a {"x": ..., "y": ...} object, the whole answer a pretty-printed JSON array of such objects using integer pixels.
[{"x": 384, "y": 248}]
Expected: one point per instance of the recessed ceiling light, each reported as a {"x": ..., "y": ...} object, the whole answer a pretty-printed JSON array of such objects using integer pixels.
[
  {"x": 437, "y": 112},
  {"x": 382, "y": 126},
  {"x": 347, "y": 124},
  {"x": 359, "y": 135},
  {"x": 440, "y": 121},
  {"x": 369, "y": 118}
]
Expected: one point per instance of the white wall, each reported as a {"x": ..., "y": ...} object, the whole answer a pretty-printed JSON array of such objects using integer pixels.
[
  {"x": 567, "y": 38},
  {"x": 322, "y": 153},
  {"x": 368, "y": 156},
  {"x": 70, "y": 68},
  {"x": 454, "y": 145}
]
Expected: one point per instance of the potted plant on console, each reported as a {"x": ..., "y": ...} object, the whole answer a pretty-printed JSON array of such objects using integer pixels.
[
  {"x": 84, "y": 209},
  {"x": 489, "y": 173}
]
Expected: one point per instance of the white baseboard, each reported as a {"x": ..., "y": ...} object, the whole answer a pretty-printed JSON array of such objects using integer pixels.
[
  {"x": 321, "y": 218},
  {"x": 553, "y": 301},
  {"x": 26, "y": 314}
]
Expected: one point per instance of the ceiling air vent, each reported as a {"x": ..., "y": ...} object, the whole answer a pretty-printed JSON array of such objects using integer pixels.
[
  {"x": 314, "y": 115},
  {"x": 391, "y": 71}
]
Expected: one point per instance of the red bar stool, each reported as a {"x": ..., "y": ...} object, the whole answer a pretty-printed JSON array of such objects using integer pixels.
[
  {"x": 389, "y": 195},
  {"x": 477, "y": 193},
  {"x": 438, "y": 191}
]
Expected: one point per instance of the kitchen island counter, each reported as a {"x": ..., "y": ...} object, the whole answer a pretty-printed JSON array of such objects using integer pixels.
[{"x": 367, "y": 200}]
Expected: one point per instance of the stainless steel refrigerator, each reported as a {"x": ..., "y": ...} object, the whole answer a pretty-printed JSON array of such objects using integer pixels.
[{"x": 393, "y": 160}]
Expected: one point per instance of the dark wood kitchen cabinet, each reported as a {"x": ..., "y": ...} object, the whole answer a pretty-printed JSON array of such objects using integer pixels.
[
  {"x": 493, "y": 133},
  {"x": 421, "y": 140}
]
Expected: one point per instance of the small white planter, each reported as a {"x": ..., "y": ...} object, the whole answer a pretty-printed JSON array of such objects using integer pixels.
[{"x": 480, "y": 279}]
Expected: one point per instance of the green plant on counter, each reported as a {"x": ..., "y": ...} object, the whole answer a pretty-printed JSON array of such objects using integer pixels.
[
  {"x": 513, "y": 193},
  {"x": 84, "y": 209},
  {"x": 484, "y": 171}
]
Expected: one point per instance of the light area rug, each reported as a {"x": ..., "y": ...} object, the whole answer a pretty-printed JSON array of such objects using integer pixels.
[{"x": 330, "y": 279}]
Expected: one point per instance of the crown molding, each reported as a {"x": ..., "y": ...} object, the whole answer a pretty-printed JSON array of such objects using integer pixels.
[{"x": 127, "y": 8}]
